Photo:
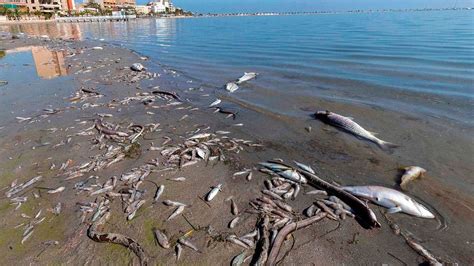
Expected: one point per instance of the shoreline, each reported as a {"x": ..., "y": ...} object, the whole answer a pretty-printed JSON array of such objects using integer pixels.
[
  {"x": 14, "y": 22},
  {"x": 176, "y": 128}
]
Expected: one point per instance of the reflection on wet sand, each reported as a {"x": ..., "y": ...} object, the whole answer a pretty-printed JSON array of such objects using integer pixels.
[{"x": 49, "y": 64}]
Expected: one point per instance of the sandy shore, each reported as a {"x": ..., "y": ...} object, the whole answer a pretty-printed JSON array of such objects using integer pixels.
[{"x": 55, "y": 143}]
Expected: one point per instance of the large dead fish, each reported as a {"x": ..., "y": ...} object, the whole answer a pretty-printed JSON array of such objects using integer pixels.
[
  {"x": 393, "y": 200},
  {"x": 246, "y": 77},
  {"x": 352, "y": 127}
]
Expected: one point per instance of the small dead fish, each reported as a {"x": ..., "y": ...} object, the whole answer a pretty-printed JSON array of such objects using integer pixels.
[
  {"x": 59, "y": 189},
  {"x": 244, "y": 172},
  {"x": 220, "y": 132},
  {"x": 161, "y": 238},
  {"x": 214, "y": 103},
  {"x": 200, "y": 136},
  {"x": 158, "y": 193},
  {"x": 234, "y": 222},
  {"x": 317, "y": 192},
  {"x": 178, "y": 179},
  {"x": 177, "y": 212},
  {"x": 22, "y": 119},
  {"x": 26, "y": 237},
  {"x": 173, "y": 203},
  {"x": 233, "y": 207},
  {"x": 239, "y": 259},
  {"x": 213, "y": 192},
  {"x": 178, "y": 249},
  {"x": 246, "y": 77},
  {"x": 249, "y": 176},
  {"x": 411, "y": 173},
  {"x": 305, "y": 167},
  {"x": 231, "y": 87},
  {"x": 188, "y": 244}
]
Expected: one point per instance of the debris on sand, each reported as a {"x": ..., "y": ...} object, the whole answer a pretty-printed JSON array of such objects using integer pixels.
[{"x": 137, "y": 67}]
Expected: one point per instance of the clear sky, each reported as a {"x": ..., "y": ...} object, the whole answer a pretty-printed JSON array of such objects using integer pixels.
[{"x": 229, "y": 6}]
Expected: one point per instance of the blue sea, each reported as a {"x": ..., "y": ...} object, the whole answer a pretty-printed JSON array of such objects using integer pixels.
[{"x": 415, "y": 62}]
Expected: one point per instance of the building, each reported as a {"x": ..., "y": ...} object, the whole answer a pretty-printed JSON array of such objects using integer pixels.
[
  {"x": 160, "y": 6},
  {"x": 114, "y": 4},
  {"x": 142, "y": 9},
  {"x": 45, "y": 6}
]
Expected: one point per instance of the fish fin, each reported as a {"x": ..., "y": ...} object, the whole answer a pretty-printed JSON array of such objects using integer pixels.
[
  {"x": 373, "y": 133},
  {"x": 394, "y": 209},
  {"x": 386, "y": 146},
  {"x": 352, "y": 118}
]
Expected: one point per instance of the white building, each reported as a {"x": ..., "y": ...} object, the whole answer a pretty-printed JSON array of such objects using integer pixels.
[
  {"x": 160, "y": 6},
  {"x": 143, "y": 10}
]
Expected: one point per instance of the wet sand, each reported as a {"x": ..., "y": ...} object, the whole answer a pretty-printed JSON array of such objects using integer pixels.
[{"x": 335, "y": 155}]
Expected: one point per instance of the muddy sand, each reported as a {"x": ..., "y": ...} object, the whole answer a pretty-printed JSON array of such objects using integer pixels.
[{"x": 103, "y": 138}]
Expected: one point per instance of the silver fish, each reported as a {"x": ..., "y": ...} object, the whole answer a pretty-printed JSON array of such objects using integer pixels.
[
  {"x": 179, "y": 249},
  {"x": 216, "y": 102},
  {"x": 393, "y": 200},
  {"x": 239, "y": 259},
  {"x": 161, "y": 238},
  {"x": 352, "y": 127},
  {"x": 246, "y": 77},
  {"x": 411, "y": 173},
  {"x": 173, "y": 203},
  {"x": 188, "y": 244},
  {"x": 234, "y": 222},
  {"x": 53, "y": 191},
  {"x": 177, "y": 212},
  {"x": 305, "y": 167},
  {"x": 231, "y": 87},
  {"x": 213, "y": 192},
  {"x": 158, "y": 193}
]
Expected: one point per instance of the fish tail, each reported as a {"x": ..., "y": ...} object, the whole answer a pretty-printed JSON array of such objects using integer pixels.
[{"x": 386, "y": 146}]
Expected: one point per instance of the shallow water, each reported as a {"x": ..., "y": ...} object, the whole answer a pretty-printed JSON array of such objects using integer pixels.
[{"x": 417, "y": 62}]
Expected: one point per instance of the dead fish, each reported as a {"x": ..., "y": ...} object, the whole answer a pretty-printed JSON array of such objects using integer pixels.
[
  {"x": 234, "y": 222},
  {"x": 97, "y": 48},
  {"x": 59, "y": 189},
  {"x": 161, "y": 238},
  {"x": 213, "y": 192},
  {"x": 214, "y": 103},
  {"x": 422, "y": 251},
  {"x": 305, "y": 167},
  {"x": 352, "y": 127},
  {"x": 137, "y": 67},
  {"x": 246, "y": 77},
  {"x": 233, "y": 239},
  {"x": 200, "y": 136},
  {"x": 188, "y": 244},
  {"x": 244, "y": 172},
  {"x": 395, "y": 201},
  {"x": 411, "y": 173},
  {"x": 293, "y": 175},
  {"x": 233, "y": 207},
  {"x": 249, "y": 176},
  {"x": 178, "y": 249},
  {"x": 221, "y": 132},
  {"x": 158, "y": 193},
  {"x": 239, "y": 259},
  {"x": 26, "y": 237},
  {"x": 231, "y": 87},
  {"x": 173, "y": 203},
  {"x": 317, "y": 192},
  {"x": 178, "y": 179},
  {"x": 177, "y": 212},
  {"x": 22, "y": 119}
]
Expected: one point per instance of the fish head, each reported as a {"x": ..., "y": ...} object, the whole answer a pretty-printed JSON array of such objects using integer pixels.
[
  {"x": 412, "y": 207},
  {"x": 322, "y": 115}
]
